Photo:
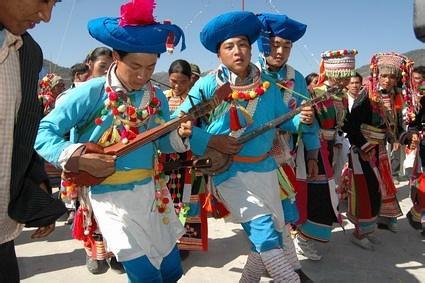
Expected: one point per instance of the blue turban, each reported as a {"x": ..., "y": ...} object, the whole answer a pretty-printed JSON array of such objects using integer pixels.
[
  {"x": 281, "y": 26},
  {"x": 230, "y": 25},
  {"x": 149, "y": 38}
]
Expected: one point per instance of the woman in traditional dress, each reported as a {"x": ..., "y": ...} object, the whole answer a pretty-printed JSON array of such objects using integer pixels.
[
  {"x": 375, "y": 119},
  {"x": 321, "y": 201}
]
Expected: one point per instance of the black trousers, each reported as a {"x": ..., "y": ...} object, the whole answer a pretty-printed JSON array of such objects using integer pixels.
[
  {"x": 9, "y": 271},
  {"x": 396, "y": 162}
]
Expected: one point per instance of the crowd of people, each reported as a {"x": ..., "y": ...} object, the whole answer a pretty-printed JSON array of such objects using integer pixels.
[{"x": 128, "y": 154}]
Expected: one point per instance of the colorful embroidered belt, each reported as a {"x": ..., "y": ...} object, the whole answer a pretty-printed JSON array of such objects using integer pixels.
[
  {"x": 328, "y": 134},
  {"x": 250, "y": 159},
  {"x": 125, "y": 177},
  {"x": 373, "y": 134}
]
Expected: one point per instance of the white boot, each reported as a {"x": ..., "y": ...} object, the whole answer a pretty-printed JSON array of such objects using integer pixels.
[
  {"x": 289, "y": 250},
  {"x": 253, "y": 269},
  {"x": 305, "y": 247},
  {"x": 278, "y": 267}
]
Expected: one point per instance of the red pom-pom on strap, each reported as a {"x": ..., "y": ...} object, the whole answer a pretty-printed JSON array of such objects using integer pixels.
[{"x": 137, "y": 12}]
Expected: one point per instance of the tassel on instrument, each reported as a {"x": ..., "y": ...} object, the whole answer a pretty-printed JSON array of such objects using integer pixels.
[
  {"x": 214, "y": 207},
  {"x": 78, "y": 225}
]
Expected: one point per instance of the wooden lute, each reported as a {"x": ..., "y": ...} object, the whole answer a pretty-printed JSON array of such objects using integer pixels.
[
  {"x": 84, "y": 178},
  {"x": 150, "y": 135},
  {"x": 221, "y": 161}
]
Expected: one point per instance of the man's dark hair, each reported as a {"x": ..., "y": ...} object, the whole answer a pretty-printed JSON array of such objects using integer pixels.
[
  {"x": 181, "y": 67},
  {"x": 419, "y": 70},
  {"x": 122, "y": 54},
  {"x": 357, "y": 75},
  {"x": 97, "y": 52},
  {"x": 79, "y": 68},
  {"x": 310, "y": 77}
]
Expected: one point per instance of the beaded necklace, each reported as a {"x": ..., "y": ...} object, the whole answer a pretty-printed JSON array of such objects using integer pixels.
[
  {"x": 257, "y": 90},
  {"x": 249, "y": 93},
  {"x": 125, "y": 114}
]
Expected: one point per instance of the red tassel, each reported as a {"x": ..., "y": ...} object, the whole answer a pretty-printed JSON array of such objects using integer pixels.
[
  {"x": 137, "y": 12},
  {"x": 234, "y": 119},
  {"x": 78, "y": 228},
  {"x": 215, "y": 207},
  {"x": 169, "y": 44}
]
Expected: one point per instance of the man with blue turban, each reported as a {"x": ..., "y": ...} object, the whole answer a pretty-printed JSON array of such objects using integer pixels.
[
  {"x": 279, "y": 32},
  {"x": 249, "y": 188},
  {"x": 133, "y": 209}
]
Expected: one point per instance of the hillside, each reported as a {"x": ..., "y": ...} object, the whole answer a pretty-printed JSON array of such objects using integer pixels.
[
  {"x": 64, "y": 72},
  {"x": 417, "y": 55}
]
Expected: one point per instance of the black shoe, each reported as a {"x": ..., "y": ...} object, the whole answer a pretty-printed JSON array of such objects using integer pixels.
[
  {"x": 96, "y": 266},
  {"x": 303, "y": 277},
  {"x": 116, "y": 266},
  {"x": 414, "y": 224},
  {"x": 184, "y": 254},
  {"x": 383, "y": 226},
  {"x": 423, "y": 232}
]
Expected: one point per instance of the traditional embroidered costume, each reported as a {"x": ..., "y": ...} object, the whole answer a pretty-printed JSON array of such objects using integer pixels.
[
  {"x": 132, "y": 209},
  {"x": 322, "y": 201},
  {"x": 249, "y": 188},
  {"x": 375, "y": 120},
  {"x": 293, "y": 91}
]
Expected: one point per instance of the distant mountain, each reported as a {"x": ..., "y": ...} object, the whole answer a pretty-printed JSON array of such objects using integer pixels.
[
  {"x": 64, "y": 72},
  {"x": 162, "y": 79},
  {"x": 417, "y": 55}
]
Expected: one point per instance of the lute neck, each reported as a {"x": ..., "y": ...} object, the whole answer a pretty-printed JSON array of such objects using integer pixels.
[
  {"x": 276, "y": 122},
  {"x": 147, "y": 136},
  {"x": 267, "y": 126}
]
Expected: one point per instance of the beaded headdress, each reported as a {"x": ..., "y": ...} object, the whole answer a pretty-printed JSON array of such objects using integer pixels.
[
  {"x": 394, "y": 64},
  {"x": 390, "y": 63},
  {"x": 339, "y": 63}
]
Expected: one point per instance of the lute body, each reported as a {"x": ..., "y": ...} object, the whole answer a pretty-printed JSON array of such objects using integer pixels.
[{"x": 220, "y": 162}]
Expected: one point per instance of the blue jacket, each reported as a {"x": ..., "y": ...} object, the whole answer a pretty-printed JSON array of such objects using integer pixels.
[
  {"x": 77, "y": 114},
  {"x": 270, "y": 106}
]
